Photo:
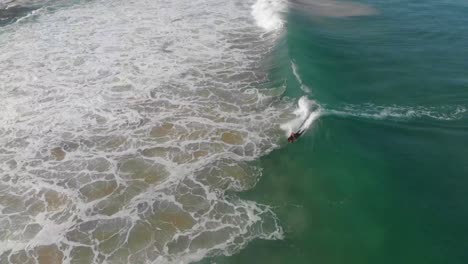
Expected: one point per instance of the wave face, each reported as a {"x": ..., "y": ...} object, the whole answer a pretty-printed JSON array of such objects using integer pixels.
[{"x": 124, "y": 123}]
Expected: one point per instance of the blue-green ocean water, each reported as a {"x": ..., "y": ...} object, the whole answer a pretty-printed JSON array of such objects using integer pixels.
[{"x": 382, "y": 176}]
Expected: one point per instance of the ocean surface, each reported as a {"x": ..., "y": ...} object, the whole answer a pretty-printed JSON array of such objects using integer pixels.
[{"x": 154, "y": 131}]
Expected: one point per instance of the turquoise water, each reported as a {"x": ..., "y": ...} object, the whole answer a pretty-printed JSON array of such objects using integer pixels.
[{"x": 382, "y": 176}]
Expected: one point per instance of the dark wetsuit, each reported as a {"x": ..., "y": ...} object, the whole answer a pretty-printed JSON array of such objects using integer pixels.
[{"x": 294, "y": 136}]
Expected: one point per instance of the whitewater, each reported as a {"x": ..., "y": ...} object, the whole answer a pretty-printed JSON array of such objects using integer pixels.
[{"x": 126, "y": 127}]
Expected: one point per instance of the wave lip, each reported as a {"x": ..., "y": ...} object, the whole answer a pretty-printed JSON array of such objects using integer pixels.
[{"x": 295, "y": 71}]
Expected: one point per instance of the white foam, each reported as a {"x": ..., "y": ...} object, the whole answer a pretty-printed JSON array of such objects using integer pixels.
[
  {"x": 269, "y": 13},
  {"x": 127, "y": 113}
]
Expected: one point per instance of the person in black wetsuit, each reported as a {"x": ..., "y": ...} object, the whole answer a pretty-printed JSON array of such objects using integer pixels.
[{"x": 294, "y": 136}]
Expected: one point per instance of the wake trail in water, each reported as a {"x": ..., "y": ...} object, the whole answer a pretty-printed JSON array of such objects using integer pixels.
[
  {"x": 398, "y": 113},
  {"x": 308, "y": 111},
  {"x": 305, "y": 116},
  {"x": 295, "y": 71}
]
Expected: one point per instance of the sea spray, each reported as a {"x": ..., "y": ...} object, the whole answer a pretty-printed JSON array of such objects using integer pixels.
[
  {"x": 269, "y": 13},
  {"x": 306, "y": 112}
]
